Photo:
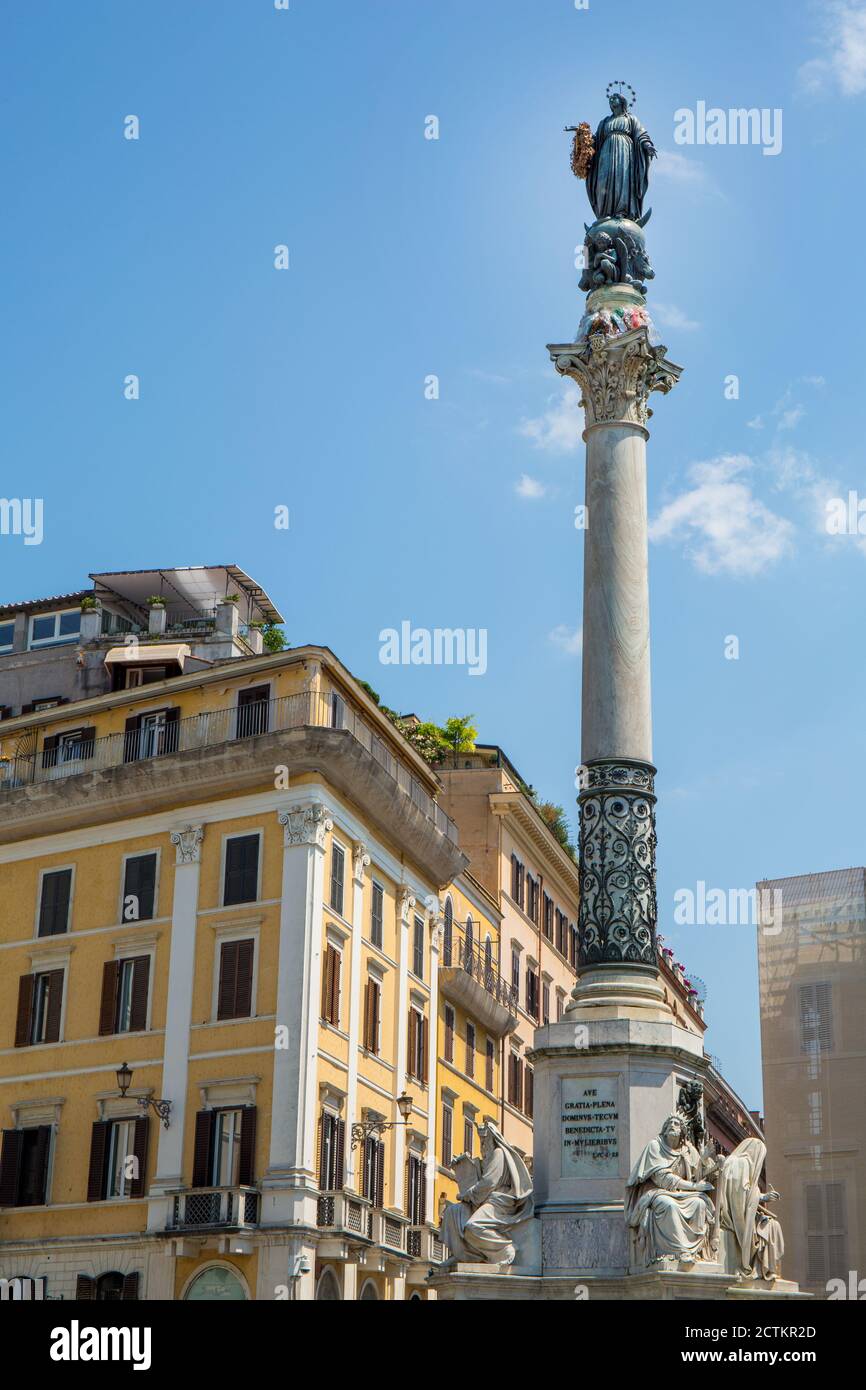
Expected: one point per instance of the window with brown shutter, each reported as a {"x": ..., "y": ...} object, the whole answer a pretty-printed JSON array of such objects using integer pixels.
[
  {"x": 25, "y": 1007},
  {"x": 515, "y": 1081},
  {"x": 235, "y": 987},
  {"x": 140, "y": 983},
  {"x": 416, "y": 1191},
  {"x": 449, "y": 1033},
  {"x": 371, "y": 1016},
  {"x": 137, "y": 1187},
  {"x": 247, "y": 1160},
  {"x": 85, "y": 1288},
  {"x": 489, "y": 1064},
  {"x": 108, "y": 1002},
  {"x": 130, "y": 1288},
  {"x": 470, "y": 1049},
  {"x": 202, "y": 1149},
  {"x": 447, "y": 1129},
  {"x": 373, "y": 1180},
  {"x": 332, "y": 1131},
  {"x": 418, "y": 1057},
  {"x": 10, "y": 1162},
  {"x": 98, "y": 1169},
  {"x": 331, "y": 985},
  {"x": 54, "y": 900},
  {"x": 528, "y": 1091},
  {"x": 241, "y": 879}
]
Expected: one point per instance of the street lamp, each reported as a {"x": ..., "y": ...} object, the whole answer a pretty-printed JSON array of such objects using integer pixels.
[
  {"x": 162, "y": 1108},
  {"x": 362, "y": 1132}
]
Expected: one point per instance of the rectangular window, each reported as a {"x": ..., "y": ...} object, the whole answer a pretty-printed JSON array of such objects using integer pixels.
[
  {"x": 235, "y": 984},
  {"x": 545, "y": 1003},
  {"x": 816, "y": 1020},
  {"x": 241, "y": 883},
  {"x": 418, "y": 948},
  {"x": 532, "y": 898},
  {"x": 449, "y": 1033},
  {"x": 151, "y": 735},
  {"x": 574, "y": 945},
  {"x": 372, "y": 1014},
  {"x": 338, "y": 711},
  {"x": 515, "y": 1081},
  {"x": 54, "y": 902},
  {"x": 528, "y": 1091},
  {"x": 227, "y": 1148},
  {"x": 531, "y": 992},
  {"x": 515, "y": 971},
  {"x": 374, "y": 1171},
  {"x": 24, "y": 1166},
  {"x": 447, "y": 1131},
  {"x": 73, "y": 746},
  {"x": 124, "y": 995},
  {"x": 331, "y": 967},
  {"x": 377, "y": 915},
  {"x": 253, "y": 710},
  {"x": 489, "y": 1061},
  {"x": 332, "y": 1132},
  {"x": 48, "y": 628},
  {"x": 826, "y": 1232},
  {"x": 416, "y": 1065},
  {"x": 561, "y": 942},
  {"x": 121, "y": 1149},
  {"x": 470, "y": 1049},
  {"x": 7, "y": 636},
  {"x": 468, "y": 1136},
  {"x": 547, "y": 916},
  {"x": 139, "y": 888},
  {"x": 40, "y": 997},
  {"x": 338, "y": 877},
  {"x": 416, "y": 1191}
]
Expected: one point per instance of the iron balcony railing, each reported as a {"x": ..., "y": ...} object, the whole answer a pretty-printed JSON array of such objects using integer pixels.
[
  {"x": 159, "y": 735},
  {"x": 216, "y": 1206},
  {"x": 461, "y": 949}
]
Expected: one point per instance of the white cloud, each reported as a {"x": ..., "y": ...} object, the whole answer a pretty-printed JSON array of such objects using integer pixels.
[
  {"x": 842, "y": 65},
  {"x": 725, "y": 528},
  {"x": 679, "y": 169},
  {"x": 567, "y": 639},
  {"x": 529, "y": 487},
  {"x": 789, "y": 419},
  {"x": 560, "y": 428},
  {"x": 670, "y": 316}
]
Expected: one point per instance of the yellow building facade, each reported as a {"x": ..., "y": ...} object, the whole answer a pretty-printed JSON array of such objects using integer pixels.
[{"x": 227, "y": 878}]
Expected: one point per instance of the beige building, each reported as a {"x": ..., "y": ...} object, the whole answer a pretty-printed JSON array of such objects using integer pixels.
[
  {"x": 516, "y": 857},
  {"x": 812, "y": 966}
]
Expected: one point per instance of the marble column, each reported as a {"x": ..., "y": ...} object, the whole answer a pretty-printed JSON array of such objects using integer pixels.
[{"x": 616, "y": 373}]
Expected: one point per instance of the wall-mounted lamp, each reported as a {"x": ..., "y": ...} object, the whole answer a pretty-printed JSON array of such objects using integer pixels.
[
  {"x": 362, "y": 1132},
  {"x": 161, "y": 1107}
]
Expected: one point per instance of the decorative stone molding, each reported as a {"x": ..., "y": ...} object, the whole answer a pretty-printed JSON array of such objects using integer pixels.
[
  {"x": 360, "y": 861},
  {"x": 616, "y": 375},
  {"x": 188, "y": 843},
  {"x": 618, "y": 909},
  {"x": 405, "y": 903},
  {"x": 305, "y": 825}
]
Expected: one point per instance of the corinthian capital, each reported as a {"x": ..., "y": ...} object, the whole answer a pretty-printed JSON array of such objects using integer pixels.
[
  {"x": 305, "y": 825},
  {"x": 187, "y": 843},
  {"x": 616, "y": 375}
]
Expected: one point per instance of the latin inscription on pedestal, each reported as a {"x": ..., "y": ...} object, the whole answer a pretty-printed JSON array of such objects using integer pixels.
[{"x": 590, "y": 1127}]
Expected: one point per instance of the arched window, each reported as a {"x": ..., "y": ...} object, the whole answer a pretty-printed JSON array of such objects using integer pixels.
[
  {"x": 328, "y": 1289},
  {"x": 448, "y": 933},
  {"x": 369, "y": 1293},
  {"x": 218, "y": 1284},
  {"x": 469, "y": 946}
]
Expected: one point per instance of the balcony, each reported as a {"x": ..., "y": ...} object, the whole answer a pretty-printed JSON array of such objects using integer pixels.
[
  {"x": 468, "y": 977},
  {"x": 226, "y": 1208},
  {"x": 230, "y": 749}
]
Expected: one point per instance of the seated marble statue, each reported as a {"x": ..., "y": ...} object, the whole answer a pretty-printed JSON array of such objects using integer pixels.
[
  {"x": 751, "y": 1235},
  {"x": 667, "y": 1202},
  {"x": 480, "y": 1226}
]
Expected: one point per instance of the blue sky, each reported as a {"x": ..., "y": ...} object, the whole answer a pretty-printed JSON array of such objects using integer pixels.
[{"x": 454, "y": 257}]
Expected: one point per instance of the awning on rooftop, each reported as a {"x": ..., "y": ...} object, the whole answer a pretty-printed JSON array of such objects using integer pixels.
[{"x": 154, "y": 653}]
